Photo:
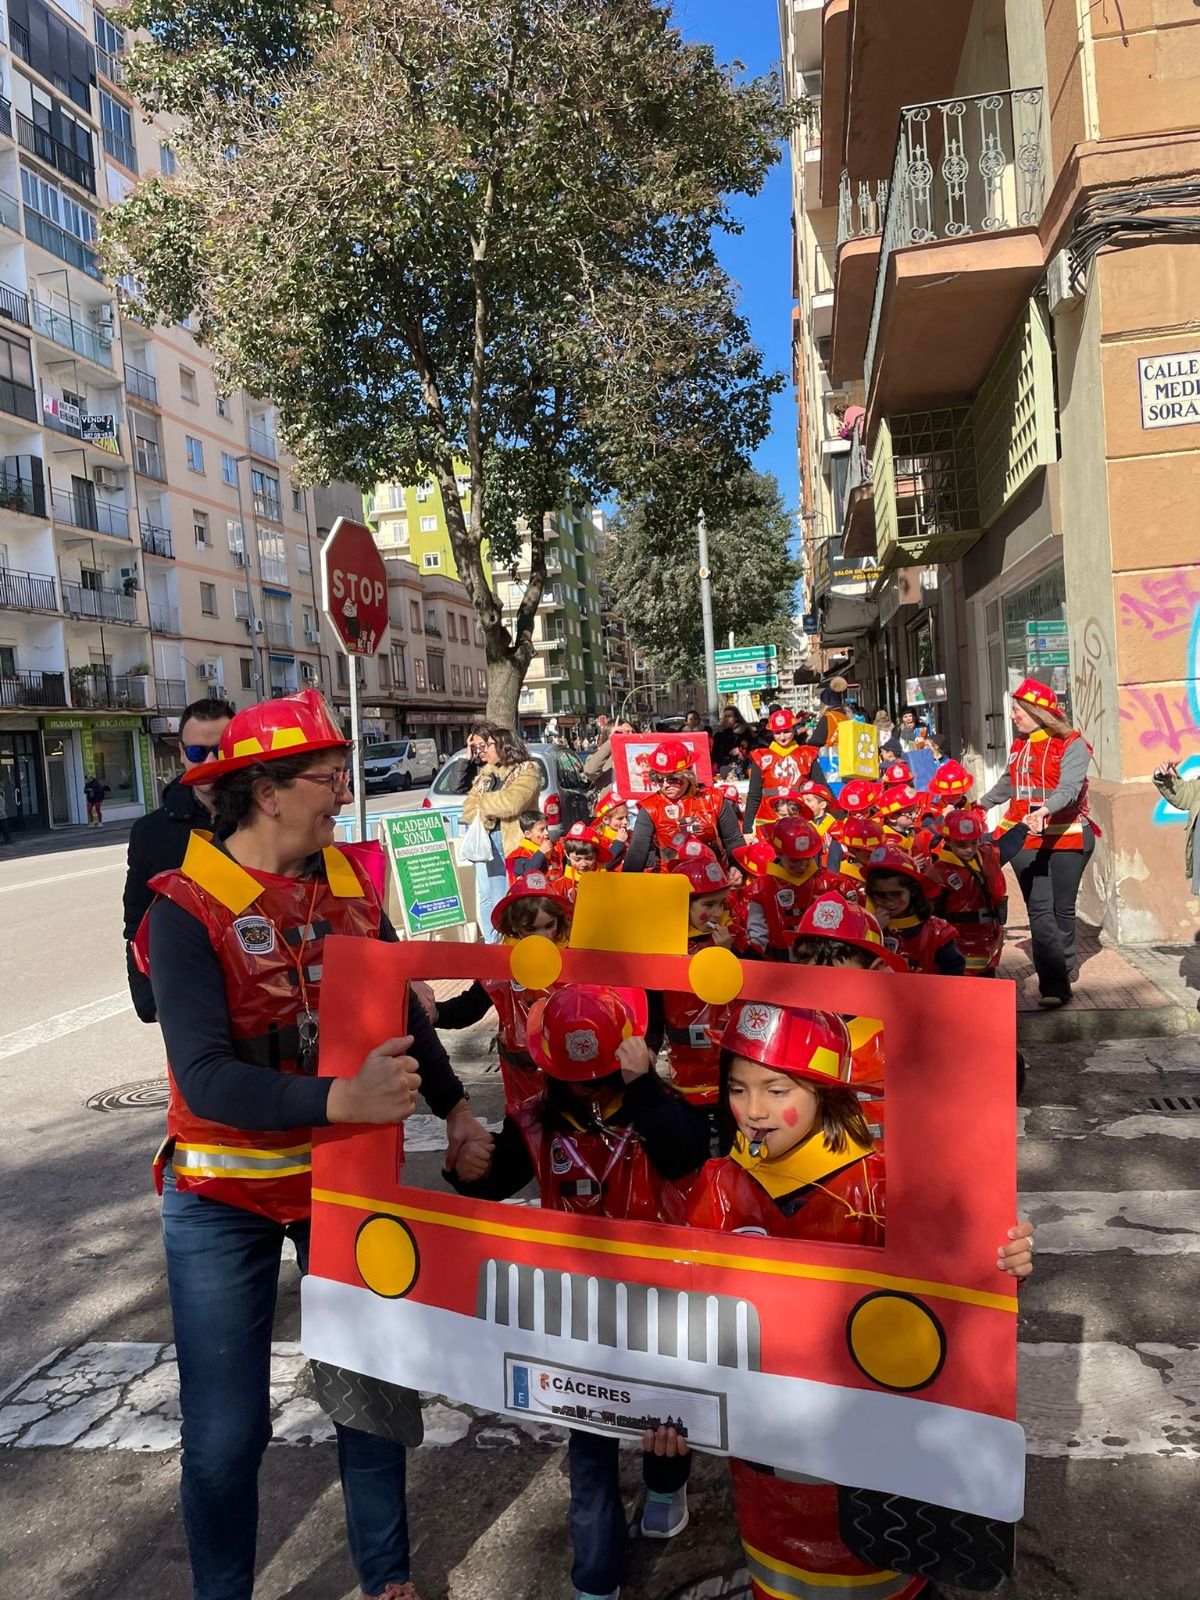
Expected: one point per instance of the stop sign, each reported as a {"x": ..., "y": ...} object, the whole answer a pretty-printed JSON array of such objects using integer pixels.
[{"x": 354, "y": 588}]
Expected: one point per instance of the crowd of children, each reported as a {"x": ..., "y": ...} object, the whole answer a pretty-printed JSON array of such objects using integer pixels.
[{"x": 737, "y": 1117}]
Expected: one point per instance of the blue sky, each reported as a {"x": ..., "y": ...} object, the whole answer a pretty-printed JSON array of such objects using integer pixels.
[{"x": 760, "y": 257}]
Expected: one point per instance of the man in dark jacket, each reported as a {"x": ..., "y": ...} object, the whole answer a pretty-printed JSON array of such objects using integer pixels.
[{"x": 158, "y": 840}]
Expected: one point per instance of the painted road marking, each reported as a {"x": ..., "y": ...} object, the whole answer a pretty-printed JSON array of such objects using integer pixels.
[
  {"x": 63, "y": 877},
  {"x": 1148, "y": 1222},
  {"x": 1096, "y": 1401},
  {"x": 39, "y": 1033}
]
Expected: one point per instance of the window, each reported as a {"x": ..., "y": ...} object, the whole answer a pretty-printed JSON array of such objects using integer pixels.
[
  {"x": 428, "y": 524},
  {"x": 414, "y": 611},
  {"x": 208, "y": 599},
  {"x": 222, "y": 406},
  {"x": 431, "y": 621},
  {"x": 272, "y": 556},
  {"x": 481, "y": 679},
  {"x": 399, "y": 670},
  {"x": 187, "y": 385},
  {"x": 117, "y": 126},
  {"x": 463, "y": 626},
  {"x": 265, "y": 489},
  {"x": 233, "y": 532},
  {"x": 424, "y": 490},
  {"x": 241, "y": 604},
  {"x": 419, "y": 671},
  {"x": 455, "y": 679},
  {"x": 58, "y": 208},
  {"x": 431, "y": 560},
  {"x": 343, "y": 677},
  {"x": 437, "y": 674},
  {"x": 303, "y": 559},
  {"x": 195, "y": 453},
  {"x": 247, "y": 667},
  {"x": 297, "y": 499},
  {"x": 200, "y": 529},
  {"x": 385, "y": 677},
  {"x": 468, "y": 680},
  {"x": 463, "y": 485},
  {"x": 228, "y": 469},
  {"x": 308, "y": 622},
  {"x": 166, "y": 159},
  {"x": 450, "y": 629},
  {"x": 16, "y": 364}
]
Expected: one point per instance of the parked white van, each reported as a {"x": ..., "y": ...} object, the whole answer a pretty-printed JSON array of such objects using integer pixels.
[{"x": 399, "y": 764}]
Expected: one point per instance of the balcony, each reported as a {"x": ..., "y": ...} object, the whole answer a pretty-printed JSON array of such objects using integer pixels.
[
  {"x": 861, "y": 209},
  {"x": 22, "y": 495},
  {"x": 157, "y": 541},
  {"x": 14, "y": 304},
  {"x": 81, "y": 511},
  {"x": 94, "y": 688},
  {"x": 120, "y": 149},
  {"x": 858, "y": 507},
  {"x": 110, "y": 66},
  {"x": 40, "y": 142},
  {"x": 63, "y": 330},
  {"x": 21, "y": 689},
  {"x": 432, "y": 630},
  {"x": 266, "y": 505},
  {"x": 141, "y": 384},
  {"x": 147, "y": 459},
  {"x": 163, "y": 619},
  {"x": 279, "y": 635},
  {"x": 835, "y": 33},
  {"x": 170, "y": 694},
  {"x": 262, "y": 443},
  {"x": 99, "y": 605},
  {"x": 960, "y": 252},
  {"x": 18, "y": 399},
  {"x": 26, "y": 591},
  {"x": 41, "y": 231},
  {"x": 10, "y": 211},
  {"x": 6, "y": 122}
]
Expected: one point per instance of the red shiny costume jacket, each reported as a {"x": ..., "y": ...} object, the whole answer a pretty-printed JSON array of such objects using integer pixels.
[
  {"x": 789, "y": 1529},
  {"x": 973, "y": 899},
  {"x": 774, "y": 902},
  {"x": 260, "y": 926},
  {"x": 783, "y": 766},
  {"x": 693, "y": 1037},
  {"x": 697, "y": 814},
  {"x": 919, "y": 942},
  {"x": 596, "y": 1171},
  {"x": 1034, "y": 768},
  {"x": 522, "y": 1080}
]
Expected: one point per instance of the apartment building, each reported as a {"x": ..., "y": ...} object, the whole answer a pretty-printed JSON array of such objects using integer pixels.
[{"x": 997, "y": 379}]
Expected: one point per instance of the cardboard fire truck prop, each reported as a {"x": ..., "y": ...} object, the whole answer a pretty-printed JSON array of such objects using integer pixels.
[{"x": 891, "y": 1369}]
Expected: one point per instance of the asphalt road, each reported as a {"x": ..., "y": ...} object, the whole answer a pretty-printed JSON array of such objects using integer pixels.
[{"x": 88, "y": 1465}]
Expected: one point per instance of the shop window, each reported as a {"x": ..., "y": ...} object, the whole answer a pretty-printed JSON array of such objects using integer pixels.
[{"x": 113, "y": 763}]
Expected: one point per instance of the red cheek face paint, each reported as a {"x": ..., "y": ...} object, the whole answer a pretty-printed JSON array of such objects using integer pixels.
[
  {"x": 791, "y": 1116},
  {"x": 739, "y": 1116}
]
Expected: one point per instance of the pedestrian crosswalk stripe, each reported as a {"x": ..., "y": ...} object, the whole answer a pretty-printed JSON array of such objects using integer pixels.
[{"x": 56, "y": 1027}]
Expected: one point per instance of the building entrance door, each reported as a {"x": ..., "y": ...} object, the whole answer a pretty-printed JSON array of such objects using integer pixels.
[{"x": 21, "y": 782}]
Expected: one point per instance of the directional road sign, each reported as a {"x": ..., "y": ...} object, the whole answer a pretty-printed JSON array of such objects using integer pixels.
[
  {"x": 759, "y": 652},
  {"x": 732, "y": 685}
]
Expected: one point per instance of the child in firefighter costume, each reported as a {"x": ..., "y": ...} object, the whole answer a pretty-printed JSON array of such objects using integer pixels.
[
  {"x": 949, "y": 791},
  {"x": 682, "y": 805},
  {"x": 535, "y": 852},
  {"x": 901, "y": 896},
  {"x": 607, "y": 1138},
  {"x": 899, "y": 808},
  {"x": 582, "y": 849},
  {"x": 802, "y": 1166},
  {"x": 818, "y": 803},
  {"x": 968, "y": 869},
  {"x": 233, "y": 943},
  {"x": 852, "y": 841},
  {"x": 782, "y": 867},
  {"x": 611, "y": 820},
  {"x": 535, "y": 904},
  {"x": 784, "y": 764}
]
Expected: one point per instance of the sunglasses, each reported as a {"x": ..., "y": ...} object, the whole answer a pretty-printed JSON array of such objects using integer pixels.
[
  {"x": 197, "y": 753},
  {"x": 335, "y": 780}
]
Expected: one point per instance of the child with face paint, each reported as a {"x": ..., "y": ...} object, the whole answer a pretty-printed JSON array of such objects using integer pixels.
[
  {"x": 683, "y": 805},
  {"x": 582, "y": 849},
  {"x": 606, "y": 1138},
  {"x": 803, "y": 1166},
  {"x": 534, "y": 851},
  {"x": 899, "y": 893}
]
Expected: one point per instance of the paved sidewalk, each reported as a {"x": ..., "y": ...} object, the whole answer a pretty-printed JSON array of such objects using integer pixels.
[{"x": 60, "y": 841}]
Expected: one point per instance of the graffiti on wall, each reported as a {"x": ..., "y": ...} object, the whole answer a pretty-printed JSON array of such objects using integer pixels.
[
  {"x": 1087, "y": 698},
  {"x": 1165, "y": 606},
  {"x": 1167, "y": 721}
]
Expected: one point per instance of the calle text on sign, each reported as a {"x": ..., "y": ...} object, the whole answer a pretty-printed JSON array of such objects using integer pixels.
[
  {"x": 354, "y": 588},
  {"x": 1170, "y": 389}
]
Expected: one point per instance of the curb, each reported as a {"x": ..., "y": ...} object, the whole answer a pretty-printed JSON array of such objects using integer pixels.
[{"x": 1062, "y": 1026}]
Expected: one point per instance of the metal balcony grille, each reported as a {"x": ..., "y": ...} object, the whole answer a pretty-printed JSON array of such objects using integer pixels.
[
  {"x": 80, "y": 511},
  {"x": 170, "y": 694},
  {"x": 105, "y": 605},
  {"x": 157, "y": 541},
  {"x": 64, "y": 330},
  {"x": 32, "y": 689},
  {"x": 27, "y": 591},
  {"x": 163, "y": 619},
  {"x": 861, "y": 208},
  {"x": 141, "y": 384},
  {"x": 42, "y": 143}
]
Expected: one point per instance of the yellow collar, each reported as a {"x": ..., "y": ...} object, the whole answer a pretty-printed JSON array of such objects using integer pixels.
[
  {"x": 904, "y": 923},
  {"x": 219, "y": 875},
  {"x": 802, "y": 1166},
  {"x": 774, "y": 870},
  {"x": 783, "y": 749},
  {"x": 1038, "y": 735}
]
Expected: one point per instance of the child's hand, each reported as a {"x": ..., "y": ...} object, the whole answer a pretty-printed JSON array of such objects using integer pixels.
[
  {"x": 634, "y": 1059},
  {"x": 425, "y": 995},
  {"x": 474, "y": 1160},
  {"x": 1016, "y": 1257},
  {"x": 665, "y": 1440},
  {"x": 721, "y": 935}
]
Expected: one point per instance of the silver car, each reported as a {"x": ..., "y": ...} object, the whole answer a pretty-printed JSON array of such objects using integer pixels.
[{"x": 566, "y": 794}]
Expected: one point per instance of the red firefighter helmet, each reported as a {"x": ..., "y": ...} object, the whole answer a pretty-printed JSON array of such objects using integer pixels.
[
  {"x": 900, "y": 797},
  {"x": 898, "y": 862},
  {"x": 575, "y": 1032},
  {"x": 951, "y": 778},
  {"x": 962, "y": 827},
  {"x": 584, "y": 833},
  {"x": 671, "y": 758},
  {"x": 831, "y": 917},
  {"x": 859, "y": 833},
  {"x": 701, "y": 868},
  {"x": 781, "y": 721},
  {"x": 1034, "y": 693},
  {"x": 813, "y": 1045},
  {"x": 859, "y": 795},
  {"x": 818, "y": 791},
  {"x": 754, "y": 858},
  {"x": 896, "y": 772},
  {"x": 793, "y": 839},
  {"x": 794, "y": 795},
  {"x": 608, "y": 802},
  {"x": 296, "y": 725},
  {"x": 532, "y": 885}
]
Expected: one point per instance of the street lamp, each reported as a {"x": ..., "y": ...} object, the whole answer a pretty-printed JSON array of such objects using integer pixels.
[{"x": 251, "y": 617}]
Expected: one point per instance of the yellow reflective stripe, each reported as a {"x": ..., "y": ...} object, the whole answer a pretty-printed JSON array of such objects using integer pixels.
[
  {"x": 340, "y": 875},
  {"x": 781, "y": 1579},
  {"x": 196, "y": 1171},
  {"x": 246, "y": 1150},
  {"x": 219, "y": 874},
  {"x": 232, "y": 1162}
]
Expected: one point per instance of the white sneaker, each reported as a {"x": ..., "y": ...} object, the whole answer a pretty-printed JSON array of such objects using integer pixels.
[
  {"x": 582, "y": 1594},
  {"x": 665, "y": 1515}
]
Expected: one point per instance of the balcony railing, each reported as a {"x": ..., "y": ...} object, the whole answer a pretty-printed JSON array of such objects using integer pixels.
[
  {"x": 973, "y": 165},
  {"x": 119, "y": 148},
  {"x": 20, "y": 40},
  {"x": 142, "y": 384},
  {"x": 27, "y": 591},
  {"x": 157, "y": 541},
  {"x": 80, "y": 511},
  {"x": 42, "y": 143},
  {"x": 170, "y": 694},
  {"x": 10, "y": 211},
  {"x": 148, "y": 461},
  {"x": 6, "y": 124},
  {"x": 262, "y": 442},
  {"x": 71, "y": 335},
  {"x": 105, "y": 605},
  {"x": 14, "y": 304},
  {"x": 279, "y": 635},
  {"x": 163, "y": 619},
  {"x": 861, "y": 208},
  {"x": 32, "y": 688},
  {"x": 60, "y": 243},
  {"x": 98, "y": 688},
  {"x": 22, "y": 494}
]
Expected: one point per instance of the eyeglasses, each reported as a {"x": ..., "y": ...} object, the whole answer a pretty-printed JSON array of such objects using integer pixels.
[
  {"x": 339, "y": 778},
  {"x": 196, "y": 753}
]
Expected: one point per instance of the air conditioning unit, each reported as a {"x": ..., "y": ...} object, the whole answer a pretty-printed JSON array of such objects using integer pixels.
[
  {"x": 208, "y": 670},
  {"x": 311, "y": 638},
  {"x": 239, "y": 557},
  {"x": 106, "y": 478},
  {"x": 259, "y": 625},
  {"x": 308, "y": 672},
  {"x": 106, "y": 316}
]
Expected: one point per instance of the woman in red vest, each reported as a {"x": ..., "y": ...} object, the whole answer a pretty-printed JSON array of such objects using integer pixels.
[
  {"x": 1046, "y": 788},
  {"x": 234, "y": 941}
]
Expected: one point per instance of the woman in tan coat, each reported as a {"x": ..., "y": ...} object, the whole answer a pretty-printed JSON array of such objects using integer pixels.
[{"x": 510, "y": 782}]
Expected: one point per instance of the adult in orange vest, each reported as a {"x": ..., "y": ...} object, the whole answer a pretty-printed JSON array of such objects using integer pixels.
[
  {"x": 833, "y": 714},
  {"x": 233, "y": 944},
  {"x": 1046, "y": 788}
]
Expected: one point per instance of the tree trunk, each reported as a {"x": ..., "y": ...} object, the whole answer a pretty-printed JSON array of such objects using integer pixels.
[{"x": 506, "y": 672}]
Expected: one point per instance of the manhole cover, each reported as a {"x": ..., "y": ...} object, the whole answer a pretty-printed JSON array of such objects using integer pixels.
[
  {"x": 1173, "y": 1102},
  {"x": 148, "y": 1096}
]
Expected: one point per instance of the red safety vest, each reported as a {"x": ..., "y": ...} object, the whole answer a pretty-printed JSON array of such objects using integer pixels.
[
  {"x": 1034, "y": 768},
  {"x": 919, "y": 942},
  {"x": 597, "y": 1171},
  {"x": 780, "y": 902},
  {"x": 693, "y": 1036},
  {"x": 973, "y": 901},
  {"x": 259, "y": 926},
  {"x": 697, "y": 814},
  {"x": 522, "y": 1080},
  {"x": 782, "y": 767}
]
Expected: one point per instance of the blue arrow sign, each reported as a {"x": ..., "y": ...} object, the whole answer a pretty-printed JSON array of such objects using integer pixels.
[{"x": 428, "y": 908}]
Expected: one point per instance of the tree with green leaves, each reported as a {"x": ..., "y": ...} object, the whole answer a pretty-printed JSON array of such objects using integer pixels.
[
  {"x": 654, "y": 570},
  {"x": 480, "y": 231}
]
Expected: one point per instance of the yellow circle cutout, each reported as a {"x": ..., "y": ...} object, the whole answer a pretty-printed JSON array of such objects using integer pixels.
[
  {"x": 386, "y": 1255},
  {"x": 715, "y": 975},
  {"x": 535, "y": 962},
  {"x": 896, "y": 1341}
]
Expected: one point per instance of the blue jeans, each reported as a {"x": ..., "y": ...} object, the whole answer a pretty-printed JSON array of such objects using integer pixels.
[
  {"x": 222, "y": 1274},
  {"x": 599, "y": 1531},
  {"x": 491, "y": 885}
]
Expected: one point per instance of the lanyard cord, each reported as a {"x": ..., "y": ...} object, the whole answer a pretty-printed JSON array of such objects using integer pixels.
[{"x": 297, "y": 956}]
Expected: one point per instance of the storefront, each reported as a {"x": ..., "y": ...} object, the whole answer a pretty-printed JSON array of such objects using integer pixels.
[
  {"x": 1023, "y": 635},
  {"x": 114, "y": 748},
  {"x": 21, "y": 780}
]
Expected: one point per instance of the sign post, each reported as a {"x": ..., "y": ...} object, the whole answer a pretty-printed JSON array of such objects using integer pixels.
[
  {"x": 354, "y": 597},
  {"x": 423, "y": 867}
]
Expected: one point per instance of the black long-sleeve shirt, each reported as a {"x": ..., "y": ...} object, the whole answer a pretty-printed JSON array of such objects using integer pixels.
[
  {"x": 189, "y": 991},
  {"x": 674, "y": 1133},
  {"x": 642, "y": 839}
]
